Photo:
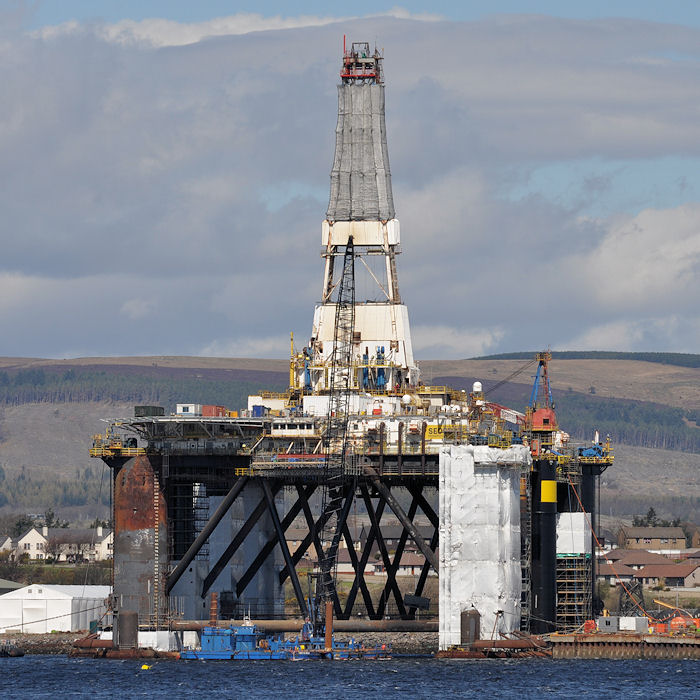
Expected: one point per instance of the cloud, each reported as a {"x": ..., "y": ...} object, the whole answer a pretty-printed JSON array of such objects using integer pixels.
[
  {"x": 267, "y": 347},
  {"x": 648, "y": 262},
  {"x": 647, "y": 333},
  {"x": 137, "y": 308},
  {"x": 446, "y": 341},
  {"x": 178, "y": 183},
  {"x": 158, "y": 32}
]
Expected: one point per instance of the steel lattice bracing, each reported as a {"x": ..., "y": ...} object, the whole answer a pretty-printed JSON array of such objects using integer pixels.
[{"x": 343, "y": 492}]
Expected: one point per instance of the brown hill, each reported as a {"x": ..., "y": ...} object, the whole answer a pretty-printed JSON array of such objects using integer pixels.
[
  {"x": 621, "y": 379},
  {"x": 50, "y": 440}
]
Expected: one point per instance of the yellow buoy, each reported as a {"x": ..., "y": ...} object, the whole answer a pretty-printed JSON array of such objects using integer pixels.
[{"x": 145, "y": 667}]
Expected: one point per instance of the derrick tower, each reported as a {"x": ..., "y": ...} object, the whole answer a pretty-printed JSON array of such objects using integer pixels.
[{"x": 361, "y": 209}]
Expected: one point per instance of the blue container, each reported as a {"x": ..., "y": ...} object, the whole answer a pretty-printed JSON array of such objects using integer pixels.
[{"x": 259, "y": 411}]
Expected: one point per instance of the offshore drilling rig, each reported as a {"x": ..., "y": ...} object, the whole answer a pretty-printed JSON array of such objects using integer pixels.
[{"x": 203, "y": 497}]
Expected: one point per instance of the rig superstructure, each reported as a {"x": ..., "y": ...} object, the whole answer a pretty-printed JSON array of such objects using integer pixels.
[{"x": 203, "y": 497}]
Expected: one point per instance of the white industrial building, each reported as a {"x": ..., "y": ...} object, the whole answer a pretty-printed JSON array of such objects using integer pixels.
[{"x": 41, "y": 608}]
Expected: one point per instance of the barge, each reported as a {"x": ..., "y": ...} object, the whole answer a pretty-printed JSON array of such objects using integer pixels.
[{"x": 250, "y": 642}]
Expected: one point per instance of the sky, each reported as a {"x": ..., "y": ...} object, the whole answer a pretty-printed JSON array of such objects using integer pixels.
[{"x": 165, "y": 170}]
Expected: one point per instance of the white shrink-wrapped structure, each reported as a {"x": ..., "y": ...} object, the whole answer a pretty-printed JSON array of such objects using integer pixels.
[
  {"x": 480, "y": 538},
  {"x": 573, "y": 534}
]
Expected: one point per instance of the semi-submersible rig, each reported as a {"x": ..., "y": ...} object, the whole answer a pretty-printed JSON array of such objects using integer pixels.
[{"x": 203, "y": 499}]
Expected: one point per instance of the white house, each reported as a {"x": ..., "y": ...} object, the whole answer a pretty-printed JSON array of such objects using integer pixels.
[
  {"x": 41, "y": 608},
  {"x": 61, "y": 544},
  {"x": 32, "y": 543},
  {"x": 77, "y": 544}
]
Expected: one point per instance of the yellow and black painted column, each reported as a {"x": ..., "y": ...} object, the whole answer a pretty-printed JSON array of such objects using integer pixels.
[{"x": 544, "y": 547}]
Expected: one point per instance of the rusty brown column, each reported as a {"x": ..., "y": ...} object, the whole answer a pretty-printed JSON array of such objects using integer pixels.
[{"x": 140, "y": 540}]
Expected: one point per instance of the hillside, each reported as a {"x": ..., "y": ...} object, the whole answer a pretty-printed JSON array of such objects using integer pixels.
[{"x": 50, "y": 409}]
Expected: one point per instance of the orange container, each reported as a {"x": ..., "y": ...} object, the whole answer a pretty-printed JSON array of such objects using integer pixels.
[
  {"x": 679, "y": 622},
  {"x": 216, "y": 411},
  {"x": 589, "y": 626}
]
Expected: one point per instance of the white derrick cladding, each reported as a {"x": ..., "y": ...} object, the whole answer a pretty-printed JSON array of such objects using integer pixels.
[
  {"x": 371, "y": 233},
  {"x": 361, "y": 209}
]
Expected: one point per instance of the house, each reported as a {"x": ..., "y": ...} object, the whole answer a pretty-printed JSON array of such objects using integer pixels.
[
  {"x": 42, "y": 608},
  {"x": 614, "y": 572},
  {"x": 344, "y": 563},
  {"x": 391, "y": 535},
  {"x": 62, "y": 544},
  {"x": 78, "y": 544},
  {"x": 655, "y": 539},
  {"x": 412, "y": 564},
  {"x": 688, "y": 554},
  {"x": 32, "y": 543},
  {"x": 684, "y": 575},
  {"x": 636, "y": 558}
]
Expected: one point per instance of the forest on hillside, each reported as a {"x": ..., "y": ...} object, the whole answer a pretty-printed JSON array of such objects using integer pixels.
[
  {"x": 137, "y": 385},
  {"x": 641, "y": 423},
  {"x": 680, "y": 359}
]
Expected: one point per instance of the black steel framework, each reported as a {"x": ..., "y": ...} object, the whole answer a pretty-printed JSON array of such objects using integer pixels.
[{"x": 379, "y": 503}]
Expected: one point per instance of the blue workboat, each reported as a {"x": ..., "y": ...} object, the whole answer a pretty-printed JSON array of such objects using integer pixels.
[{"x": 248, "y": 641}]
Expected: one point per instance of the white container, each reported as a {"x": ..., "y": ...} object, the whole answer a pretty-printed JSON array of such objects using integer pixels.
[
  {"x": 633, "y": 624},
  {"x": 188, "y": 409}
]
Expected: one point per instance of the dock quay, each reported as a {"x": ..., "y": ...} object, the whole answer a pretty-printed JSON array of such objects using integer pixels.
[{"x": 624, "y": 646}]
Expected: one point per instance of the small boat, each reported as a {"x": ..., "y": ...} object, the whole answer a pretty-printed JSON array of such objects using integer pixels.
[{"x": 248, "y": 641}]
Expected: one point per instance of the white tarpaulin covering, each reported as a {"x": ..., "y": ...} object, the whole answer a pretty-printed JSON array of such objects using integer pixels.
[
  {"x": 480, "y": 538},
  {"x": 360, "y": 176},
  {"x": 573, "y": 534}
]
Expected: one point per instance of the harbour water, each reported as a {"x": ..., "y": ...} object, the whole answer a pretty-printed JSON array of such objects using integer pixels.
[{"x": 58, "y": 676}]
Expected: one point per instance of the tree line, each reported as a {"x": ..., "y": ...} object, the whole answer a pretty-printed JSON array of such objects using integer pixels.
[
  {"x": 84, "y": 385},
  {"x": 680, "y": 359},
  {"x": 28, "y": 490}
]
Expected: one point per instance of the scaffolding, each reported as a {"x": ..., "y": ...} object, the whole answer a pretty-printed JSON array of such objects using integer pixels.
[
  {"x": 525, "y": 550},
  {"x": 574, "y": 591}
]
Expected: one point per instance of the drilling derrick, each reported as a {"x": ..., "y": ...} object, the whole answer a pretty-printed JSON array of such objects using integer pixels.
[{"x": 361, "y": 206}]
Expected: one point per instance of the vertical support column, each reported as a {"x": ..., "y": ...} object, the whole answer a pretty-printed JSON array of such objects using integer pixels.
[
  {"x": 589, "y": 479},
  {"x": 544, "y": 547},
  {"x": 140, "y": 539}
]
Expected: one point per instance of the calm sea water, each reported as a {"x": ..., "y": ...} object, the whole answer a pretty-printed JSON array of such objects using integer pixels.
[{"x": 57, "y": 677}]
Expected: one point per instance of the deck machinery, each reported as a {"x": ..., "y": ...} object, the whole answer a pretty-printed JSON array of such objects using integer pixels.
[{"x": 202, "y": 504}]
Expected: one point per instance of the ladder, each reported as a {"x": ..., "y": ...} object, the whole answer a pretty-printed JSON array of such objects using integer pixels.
[
  {"x": 335, "y": 439},
  {"x": 526, "y": 554}
]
